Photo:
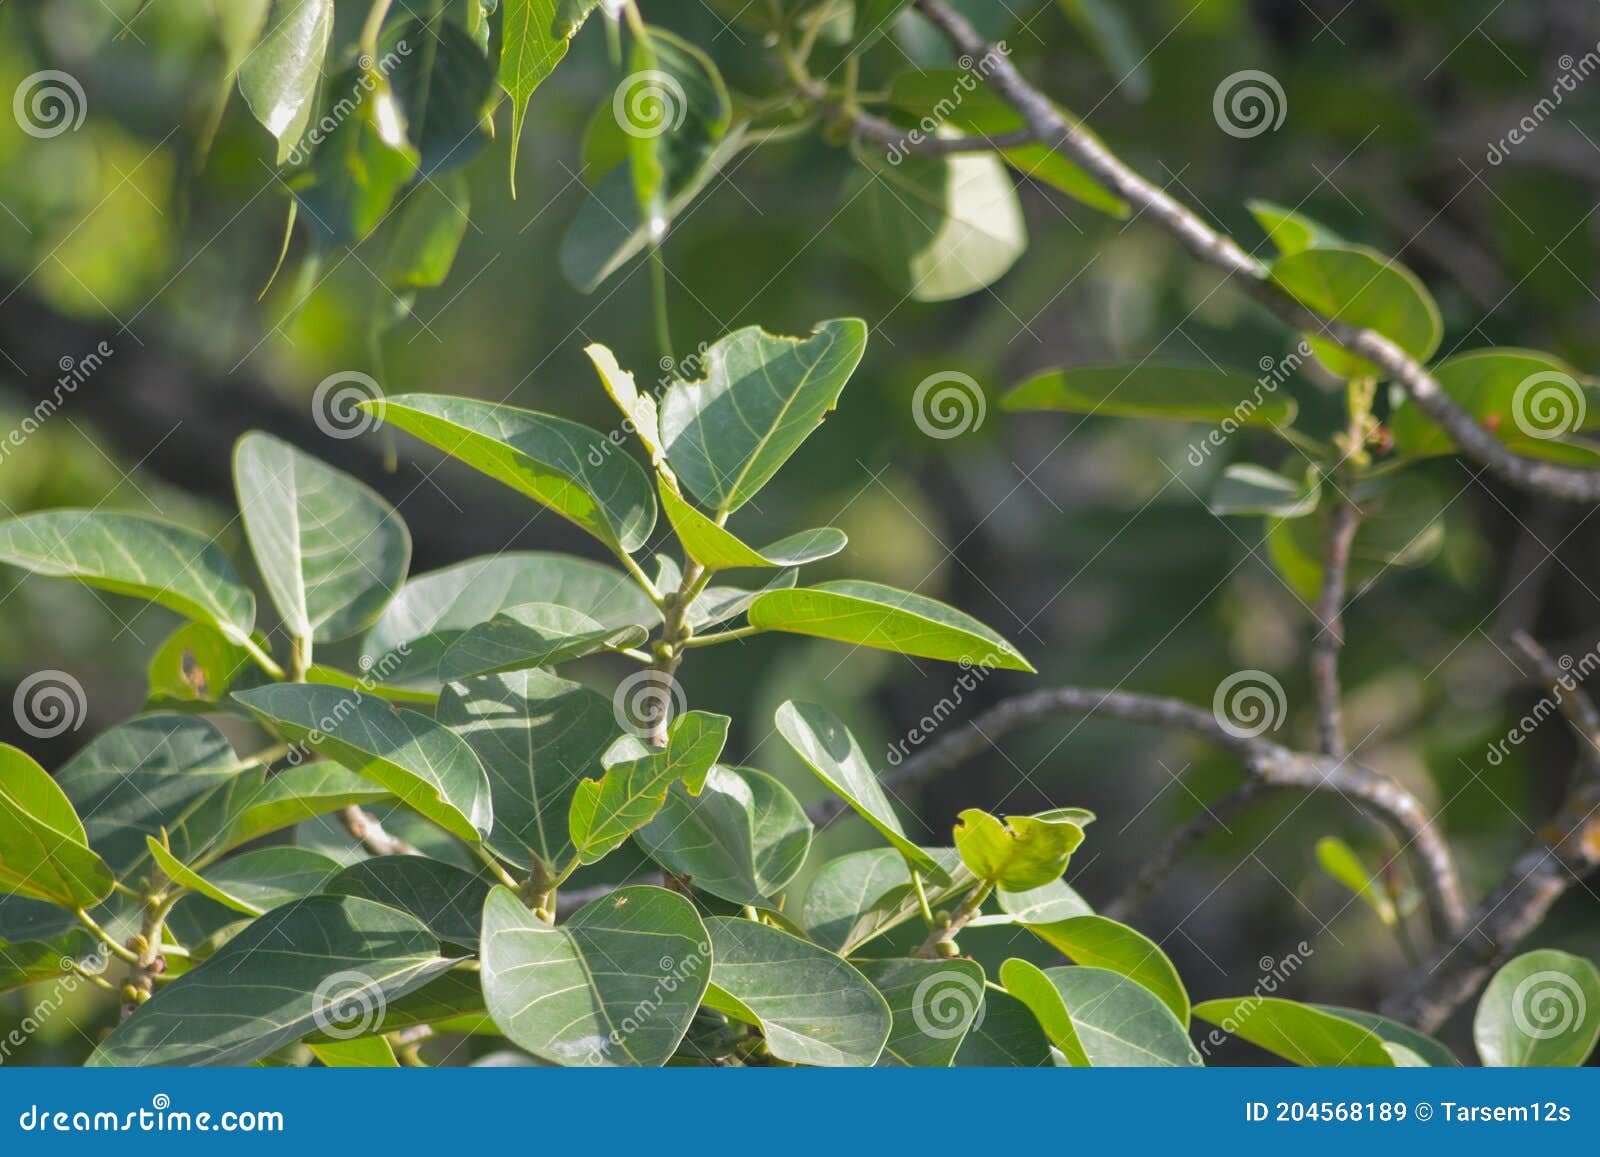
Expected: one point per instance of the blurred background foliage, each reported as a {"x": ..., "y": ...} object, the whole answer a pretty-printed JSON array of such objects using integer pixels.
[{"x": 1085, "y": 541}]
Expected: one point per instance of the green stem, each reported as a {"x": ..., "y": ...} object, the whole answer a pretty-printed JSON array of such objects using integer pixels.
[
  {"x": 119, "y": 951},
  {"x": 263, "y": 660},
  {"x": 722, "y": 636},
  {"x": 372, "y": 27},
  {"x": 922, "y": 897}
]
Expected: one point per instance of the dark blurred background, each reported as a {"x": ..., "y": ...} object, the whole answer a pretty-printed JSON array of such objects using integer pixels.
[{"x": 1086, "y": 542}]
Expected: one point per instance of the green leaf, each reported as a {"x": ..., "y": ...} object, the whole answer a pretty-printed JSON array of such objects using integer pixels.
[
  {"x": 321, "y": 962},
  {"x": 292, "y": 796},
  {"x": 278, "y": 79},
  {"x": 933, "y": 1003},
  {"x": 1176, "y": 393},
  {"x": 427, "y": 234},
  {"x": 1289, "y": 230},
  {"x": 452, "y": 1000},
  {"x": 532, "y": 635},
  {"x": 1394, "y": 1033},
  {"x": 642, "y": 415},
  {"x": 759, "y": 398},
  {"x": 1102, "y": 943},
  {"x": 331, "y": 552},
  {"x": 873, "y": 615},
  {"x": 716, "y": 548},
  {"x": 567, "y": 467},
  {"x": 1521, "y": 396},
  {"x": 616, "y": 985},
  {"x": 1402, "y": 525},
  {"x": 132, "y": 555},
  {"x": 433, "y": 611},
  {"x": 430, "y": 769},
  {"x": 1361, "y": 287},
  {"x": 717, "y": 604},
  {"x": 1100, "y": 1018},
  {"x": 673, "y": 107},
  {"x": 930, "y": 94},
  {"x": 1022, "y": 853},
  {"x": 44, "y": 852},
  {"x": 372, "y": 1052},
  {"x": 254, "y": 882},
  {"x": 445, "y": 87},
  {"x": 856, "y": 897},
  {"x": 1250, "y": 489},
  {"x": 1341, "y": 862},
  {"x": 360, "y": 167},
  {"x": 537, "y": 737},
  {"x": 820, "y": 738},
  {"x": 935, "y": 228},
  {"x": 743, "y": 838},
  {"x": 534, "y": 36},
  {"x": 608, "y": 810},
  {"x": 1046, "y": 905},
  {"x": 812, "y": 1007},
  {"x": 1006, "y": 1035},
  {"x": 1296, "y": 1032},
  {"x": 1541, "y": 1009},
  {"x": 196, "y": 664},
  {"x": 448, "y": 901}
]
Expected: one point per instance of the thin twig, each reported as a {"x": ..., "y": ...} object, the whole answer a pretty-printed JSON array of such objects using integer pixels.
[
  {"x": 1329, "y": 640},
  {"x": 364, "y": 827}
]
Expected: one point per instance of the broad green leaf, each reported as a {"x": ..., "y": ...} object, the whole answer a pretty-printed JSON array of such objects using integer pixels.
[
  {"x": 567, "y": 467},
  {"x": 445, "y": 87},
  {"x": 1341, "y": 862},
  {"x": 759, "y": 397},
  {"x": 1542, "y": 1009},
  {"x": 820, "y": 738},
  {"x": 1296, "y": 1032},
  {"x": 427, "y": 234},
  {"x": 716, "y": 548},
  {"x": 1106, "y": 24},
  {"x": 448, "y": 901},
  {"x": 537, "y": 737},
  {"x": 1361, "y": 287},
  {"x": 1022, "y": 853},
  {"x": 934, "y": 228},
  {"x": 430, "y": 769},
  {"x": 290, "y": 797},
  {"x": 534, "y": 37},
  {"x": 615, "y": 985},
  {"x": 453, "y": 998},
  {"x": 331, "y": 552},
  {"x": 133, "y": 555},
  {"x": 1248, "y": 489},
  {"x": 812, "y": 1007},
  {"x": 1102, "y": 943},
  {"x": 360, "y": 167},
  {"x": 873, "y": 615},
  {"x": 1006, "y": 1034},
  {"x": 1392, "y": 1032},
  {"x": 743, "y": 838},
  {"x": 196, "y": 664},
  {"x": 1289, "y": 230},
  {"x": 434, "y": 610},
  {"x": 44, "y": 852},
  {"x": 933, "y": 1003},
  {"x": 316, "y": 963},
  {"x": 1054, "y": 901},
  {"x": 674, "y": 108},
  {"x": 333, "y": 677},
  {"x": 370, "y": 1052},
  {"x": 27, "y": 961},
  {"x": 717, "y": 604},
  {"x": 608, "y": 810},
  {"x": 1114, "y": 1021},
  {"x": 278, "y": 79},
  {"x": 532, "y": 635},
  {"x": 931, "y": 94},
  {"x": 857, "y": 897},
  {"x": 1177, "y": 393},
  {"x": 254, "y": 882},
  {"x": 1520, "y": 396}
]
